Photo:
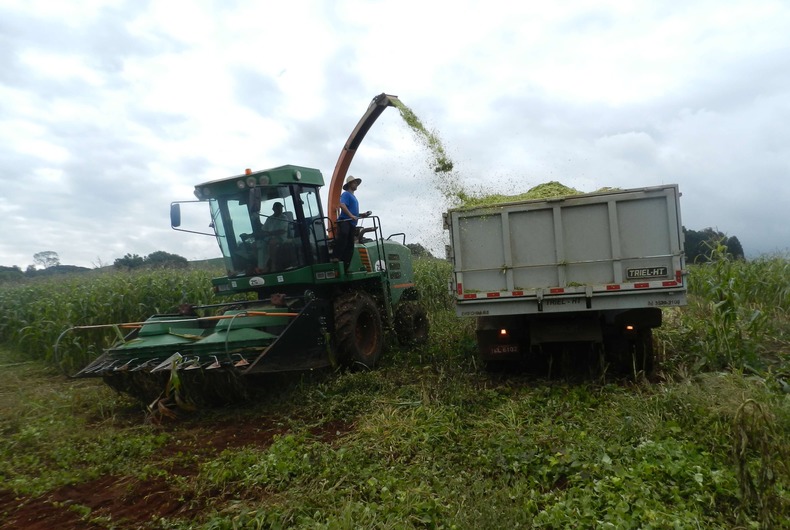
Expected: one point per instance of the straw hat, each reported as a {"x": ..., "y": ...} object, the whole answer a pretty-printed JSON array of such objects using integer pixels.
[{"x": 350, "y": 179}]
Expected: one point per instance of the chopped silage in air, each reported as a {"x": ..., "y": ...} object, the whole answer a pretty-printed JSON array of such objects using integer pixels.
[{"x": 448, "y": 183}]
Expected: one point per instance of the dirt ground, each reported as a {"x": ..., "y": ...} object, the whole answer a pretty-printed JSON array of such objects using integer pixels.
[{"x": 127, "y": 502}]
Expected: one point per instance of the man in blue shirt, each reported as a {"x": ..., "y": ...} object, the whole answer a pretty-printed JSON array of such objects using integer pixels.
[{"x": 347, "y": 221}]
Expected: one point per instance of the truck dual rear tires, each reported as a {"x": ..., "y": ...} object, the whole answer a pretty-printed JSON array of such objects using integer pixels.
[
  {"x": 359, "y": 336},
  {"x": 572, "y": 343}
]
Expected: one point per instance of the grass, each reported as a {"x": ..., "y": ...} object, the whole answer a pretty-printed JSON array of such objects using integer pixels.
[
  {"x": 430, "y": 439},
  {"x": 415, "y": 445},
  {"x": 56, "y": 432}
]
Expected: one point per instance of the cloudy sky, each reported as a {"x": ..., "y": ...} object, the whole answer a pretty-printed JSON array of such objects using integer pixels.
[{"x": 111, "y": 109}]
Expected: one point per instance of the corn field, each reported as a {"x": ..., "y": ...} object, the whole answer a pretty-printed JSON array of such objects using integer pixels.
[
  {"x": 34, "y": 314},
  {"x": 737, "y": 315}
]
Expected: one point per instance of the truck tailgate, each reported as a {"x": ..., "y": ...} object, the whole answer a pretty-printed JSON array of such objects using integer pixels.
[{"x": 611, "y": 250}]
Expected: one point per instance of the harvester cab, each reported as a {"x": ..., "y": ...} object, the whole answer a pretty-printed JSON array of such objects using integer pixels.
[
  {"x": 266, "y": 221},
  {"x": 294, "y": 306}
]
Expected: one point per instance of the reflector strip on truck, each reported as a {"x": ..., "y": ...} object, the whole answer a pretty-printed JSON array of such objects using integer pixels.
[{"x": 565, "y": 290}]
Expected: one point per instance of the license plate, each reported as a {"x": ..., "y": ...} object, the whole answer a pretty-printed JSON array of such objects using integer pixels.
[
  {"x": 643, "y": 273},
  {"x": 504, "y": 349}
]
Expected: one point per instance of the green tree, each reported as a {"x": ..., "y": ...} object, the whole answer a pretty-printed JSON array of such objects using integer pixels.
[
  {"x": 419, "y": 251},
  {"x": 129, "y": 261},
  {"x": 700, "y": 243},
  {"x": 9, "y": 274},
  {"x": 162, "y": 259},
  {"x": 734, "y": 248},
  {"x": 155, "y": 260},
  {"x": 47, "y": 258}
]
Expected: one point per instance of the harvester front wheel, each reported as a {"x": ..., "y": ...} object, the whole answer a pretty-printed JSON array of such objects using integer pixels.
[{"x": 359, "y": 336}]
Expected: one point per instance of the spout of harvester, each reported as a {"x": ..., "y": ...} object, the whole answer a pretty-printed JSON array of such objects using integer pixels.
[{"x": 376, "y": 107}]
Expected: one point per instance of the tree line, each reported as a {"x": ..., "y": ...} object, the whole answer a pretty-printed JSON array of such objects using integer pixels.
[
  {"x": 159, "y": 259},
  {"x": 47, "y": 263},
  {"x": 701, "y": 244}
]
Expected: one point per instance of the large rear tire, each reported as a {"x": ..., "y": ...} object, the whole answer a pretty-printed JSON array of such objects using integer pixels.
[
  {"x": 359, "y": 337},
  {"x": 411, "y": 324}
]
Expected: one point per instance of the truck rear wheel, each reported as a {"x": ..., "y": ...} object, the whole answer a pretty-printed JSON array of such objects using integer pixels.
[
  {"x": 631, "y": 355},
  {"x": 359, "y": 337},
  {"x": 411, "y": 324},
  {"x": 643, "y": 351}
]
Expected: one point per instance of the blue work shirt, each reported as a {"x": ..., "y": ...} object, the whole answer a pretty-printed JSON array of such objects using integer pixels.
[{"x": 352, "y": 204}]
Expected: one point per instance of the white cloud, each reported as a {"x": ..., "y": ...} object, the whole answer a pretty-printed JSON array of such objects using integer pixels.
[
  {"x": 110, "y": 110},
  {"x": 60, "y": 66}
]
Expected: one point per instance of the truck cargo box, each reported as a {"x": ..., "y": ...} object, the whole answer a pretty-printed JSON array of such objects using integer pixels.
[{"x": 612, "y": 250}]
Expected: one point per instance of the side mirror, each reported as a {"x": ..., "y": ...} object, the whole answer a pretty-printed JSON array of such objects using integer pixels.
[{"x": 175, "y": 215}]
